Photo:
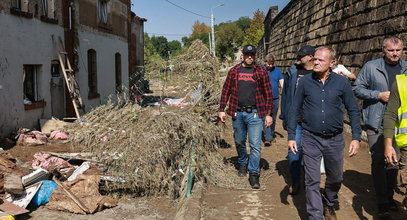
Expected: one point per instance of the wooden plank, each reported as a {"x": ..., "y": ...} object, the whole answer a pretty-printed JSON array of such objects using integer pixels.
[{"x": 12, "y": 209}]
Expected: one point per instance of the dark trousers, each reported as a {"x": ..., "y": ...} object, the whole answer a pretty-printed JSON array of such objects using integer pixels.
[
  {"x": 314, "y": 148},
  {"x": 383, "y": 180},
  {"x": 269, "y": 132}
]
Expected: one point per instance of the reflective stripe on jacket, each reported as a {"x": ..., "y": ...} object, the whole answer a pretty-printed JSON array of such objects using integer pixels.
[{"x": 400, "y": 132}]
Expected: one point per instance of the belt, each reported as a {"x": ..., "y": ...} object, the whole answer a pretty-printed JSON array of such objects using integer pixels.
[
  {"x": 247, "y": 109},
  {"x": 328, "y": 135}
]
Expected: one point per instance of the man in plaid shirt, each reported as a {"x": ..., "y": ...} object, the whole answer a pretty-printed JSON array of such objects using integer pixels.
[{"x": 248, "y": 90}]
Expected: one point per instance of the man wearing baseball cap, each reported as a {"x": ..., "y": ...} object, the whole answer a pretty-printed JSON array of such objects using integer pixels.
[
  {"x": 247, "y": 89},
  {"x": 302, "y": 67}
]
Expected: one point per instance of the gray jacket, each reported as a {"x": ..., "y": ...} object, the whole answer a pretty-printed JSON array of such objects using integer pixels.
[{"x": 372, "y": 80}]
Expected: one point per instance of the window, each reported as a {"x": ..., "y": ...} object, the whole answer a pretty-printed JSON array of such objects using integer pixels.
[
  {"x": 20, "y": 8},
  {"x": 32, "y": 84},
  {"x": 20, "y": 4},
  {"x": 55, "y": 68},
  {"x": 92, "y": 73},
  {"x": 103, "y": 12},
  {"x": 118, "y": 71},
  {"x": 48, "y": 8},
  {"x": 16, "y": 4}
]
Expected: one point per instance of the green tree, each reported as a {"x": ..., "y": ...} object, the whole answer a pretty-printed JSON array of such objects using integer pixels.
[
  {"x": 256, "y": 30},
  {"x": 160, "y": 44},
  {"x": 228, "y": 39},
  {"x": 174, "y": 46},
  {"x": 243, "y": 23},
  {"x": 186, "y": 41},
  {"x": 150, "y": 53}
]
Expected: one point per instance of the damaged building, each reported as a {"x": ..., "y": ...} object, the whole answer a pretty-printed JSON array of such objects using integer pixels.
[{"x": 102, "y": 40}]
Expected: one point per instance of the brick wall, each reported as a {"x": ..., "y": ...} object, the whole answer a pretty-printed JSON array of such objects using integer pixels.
[{"x": 355, "y": 28}]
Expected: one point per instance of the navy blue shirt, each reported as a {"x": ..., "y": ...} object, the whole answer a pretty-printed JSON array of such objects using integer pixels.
[
  {"x": 275, "y": 76},
  {"x": 322, "y": 106}
]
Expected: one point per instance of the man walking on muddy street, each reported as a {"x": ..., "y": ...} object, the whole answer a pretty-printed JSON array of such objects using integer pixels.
[
  {"x": 277, "y": 81},
  {"x": 302, "y": 67},
  {"x": 319, "y": 104},
  {"x": 248, "y": 90},
  {"x": 372, "y": 86}
]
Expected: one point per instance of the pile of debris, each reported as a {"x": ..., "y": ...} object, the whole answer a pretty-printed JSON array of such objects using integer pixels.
[
  {"x": 151, "y": 151},
  {"x": 51, "y": 180},
  {"x": 196, "y": 75}
]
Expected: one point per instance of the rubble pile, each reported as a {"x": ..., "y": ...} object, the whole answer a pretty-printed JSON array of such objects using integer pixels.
[
  {"x": 51, "y": 181},
  {"x": 151, "y": 150}
]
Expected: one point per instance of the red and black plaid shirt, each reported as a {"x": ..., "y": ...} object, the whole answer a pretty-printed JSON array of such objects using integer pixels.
[{"x": 264, "y": 98}]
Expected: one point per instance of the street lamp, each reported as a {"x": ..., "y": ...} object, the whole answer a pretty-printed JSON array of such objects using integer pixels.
[{"x": 213, "y": 29}]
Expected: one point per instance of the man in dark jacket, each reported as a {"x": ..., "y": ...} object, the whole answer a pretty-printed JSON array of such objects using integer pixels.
[
  {"x": 302, "y": 67},
  {"x": 247, "y": 89},
  {"x": 373, "y": 87}
]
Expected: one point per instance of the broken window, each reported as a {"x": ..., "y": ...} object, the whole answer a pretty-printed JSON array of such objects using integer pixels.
[
  {"x": 92, "y": 73},
  {"x": 118, "y": 70},
  {"x": 103, "y": 12},
  {"x": 48, "y": 8},
  {"x": 32, "y": 83}
]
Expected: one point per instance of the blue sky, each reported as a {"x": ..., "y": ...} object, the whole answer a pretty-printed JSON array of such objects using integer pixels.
[{"x": 163, "y": 18}]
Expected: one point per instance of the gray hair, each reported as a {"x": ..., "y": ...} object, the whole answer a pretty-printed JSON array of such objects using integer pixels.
[
  {"x": 331, "y": 50},
  {"x": 269, "y": 57},
  {"x": 391, "y": 39}
]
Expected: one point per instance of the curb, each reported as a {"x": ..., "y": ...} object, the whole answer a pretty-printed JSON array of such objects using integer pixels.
[{"x": 190, "y": 207}]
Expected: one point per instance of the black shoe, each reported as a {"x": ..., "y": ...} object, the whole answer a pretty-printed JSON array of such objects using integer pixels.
[
  {"x": 329, "y": 213},
  {"x": 383, "y": 211},
  {"x": 254, "y": 180},
  {"x": 242, "y": 171},
  {"x": 295, "y": 188},
  {"x": 267, "y": 143}
]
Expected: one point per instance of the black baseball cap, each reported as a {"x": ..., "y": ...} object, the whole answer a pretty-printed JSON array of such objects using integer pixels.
[
  {"x": 248, "y": 48},
  {"x": 306, "y": 50}
]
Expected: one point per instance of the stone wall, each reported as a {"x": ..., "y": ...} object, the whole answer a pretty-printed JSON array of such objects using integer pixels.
[{"x": 355, "y": 28}]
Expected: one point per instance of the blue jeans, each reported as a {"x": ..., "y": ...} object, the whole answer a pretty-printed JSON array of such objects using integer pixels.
[
  {"x": 295, "y": 159},
  {"x": 248, "y": 124},
  {"x": 269, "y": 131}
]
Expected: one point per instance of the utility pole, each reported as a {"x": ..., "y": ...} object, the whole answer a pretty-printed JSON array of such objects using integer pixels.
[
  {"x": 210, "y": 44},
  {"x": 213, "y": 30}
]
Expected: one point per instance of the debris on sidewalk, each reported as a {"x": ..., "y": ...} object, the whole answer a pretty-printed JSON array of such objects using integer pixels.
[
  {"x": 34, "y": 177},
  {"x": 32, "y": 138},
  {"x": 46, "y": 161},
  {"x": 11, "y": 209},
  {"x": 12, "y": 184},
  {"x": 86, "y": 189},
  {"x": 48, "y": 126}
]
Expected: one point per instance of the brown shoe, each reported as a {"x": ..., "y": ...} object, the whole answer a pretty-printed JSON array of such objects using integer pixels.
[{"x": 329, "y": 213}]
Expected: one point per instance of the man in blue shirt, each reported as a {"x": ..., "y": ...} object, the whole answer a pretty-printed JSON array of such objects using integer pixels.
[
  {"x": 319, "y": 104},
  {"x": 277, "y": 81}
]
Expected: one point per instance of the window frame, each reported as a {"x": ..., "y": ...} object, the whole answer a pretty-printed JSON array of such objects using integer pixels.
[
  {"x": 118, "y": 72},
  {"x": 92, "y": 74}
]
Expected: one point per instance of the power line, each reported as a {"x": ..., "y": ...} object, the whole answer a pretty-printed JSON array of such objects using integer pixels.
[
  {"x": 187, "y": 10},
  {"x": 168, "y": 34}
]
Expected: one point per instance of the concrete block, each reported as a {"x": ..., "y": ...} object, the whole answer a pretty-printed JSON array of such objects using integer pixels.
[{"x": 13, "y": 184}]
